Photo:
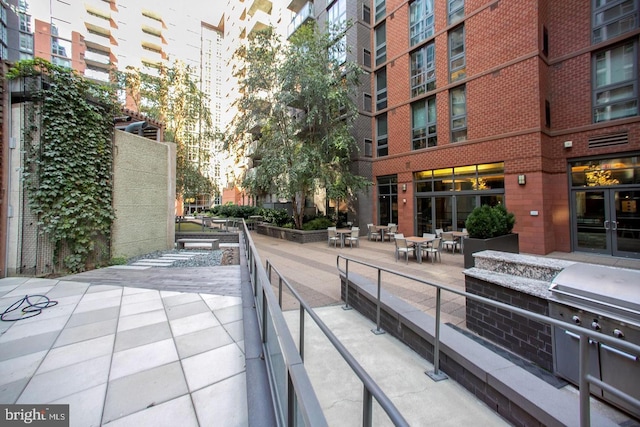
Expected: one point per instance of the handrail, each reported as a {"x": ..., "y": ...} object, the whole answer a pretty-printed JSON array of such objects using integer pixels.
[
  {"x": 584, "y": 334},
  {"x": 295, "y": 401},
  {"x": 369, "y": 384}
]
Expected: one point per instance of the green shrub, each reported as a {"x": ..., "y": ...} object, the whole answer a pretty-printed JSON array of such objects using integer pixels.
[
  {"x": 230, "y": 210},
  {"x": 486, "y": 221},
  {"x": 320, "y": 223}
]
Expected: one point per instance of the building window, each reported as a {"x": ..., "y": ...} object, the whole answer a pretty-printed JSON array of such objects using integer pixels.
[
  {"x": 381, "y": 9},
  {"x": 456, "y": 10},
  {"x": 381, "y": 89},
  {"x": 366, "y": 58},
  {"x": 547, "y": 113},
  {"x": 615, "y": 92},
  {"x": 612, "y": 18},
  {"x": 423, "y": 70},
  {"x": 458, "y": 114},
  {"x": 457, "y": 60},
  {"x": 421, "y": 21},
  {"x": 366, "y": 13},
  {"x": 337, "y": 18},
  {"x": 382, "y": 147},
  {"x": 545, "y": 41},
  {"x": 423, "y": 124},
  {"x": 367, "y": 102},
  {"x": 381, "y": 44},
  {"x": 368, "y": 147},
  {"x": 25, "y": 22}
]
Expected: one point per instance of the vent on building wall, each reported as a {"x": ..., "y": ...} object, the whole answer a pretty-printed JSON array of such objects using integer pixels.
[{"x": 608, "y": 140}]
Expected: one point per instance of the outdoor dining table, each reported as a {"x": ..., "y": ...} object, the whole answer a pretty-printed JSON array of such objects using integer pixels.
[
  {"x": 382, "y": 229},
  {"x": 221, "y": 222},
  {"x": 459, "y": 236},
  {"x": 419, "y": 242},
  {"x": 343, "y": 232}
]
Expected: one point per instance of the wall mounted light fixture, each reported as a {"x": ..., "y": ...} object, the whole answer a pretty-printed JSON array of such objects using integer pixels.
[
  {"x": 404, "y": 187},
  {"x": 404, "y": 200},
  {"x": 522, "y": 179}
]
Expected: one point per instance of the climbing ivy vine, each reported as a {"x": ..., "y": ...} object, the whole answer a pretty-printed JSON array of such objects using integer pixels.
[{"x": 68, "y": 157}]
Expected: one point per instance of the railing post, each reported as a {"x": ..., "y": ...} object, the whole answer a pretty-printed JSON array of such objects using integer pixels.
[
  {"x": 585, "y": 416},
  {"x": 436, "y": 375},
  {"x": 346, "y": 287},
  {"x": 301, "y": 333},
  {"x": 279, "y": 291},
  {"x": 367, "y": 408},
  {"x": 377, "y": 330}
]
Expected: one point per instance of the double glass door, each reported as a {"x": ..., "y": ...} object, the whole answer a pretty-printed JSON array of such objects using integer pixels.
[{"x": 607, "y": 221}]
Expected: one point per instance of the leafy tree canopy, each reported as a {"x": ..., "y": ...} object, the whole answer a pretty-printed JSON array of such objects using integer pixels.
[
  {"x": 171, "y": 95},
  {"x": 295, "y": 116}
]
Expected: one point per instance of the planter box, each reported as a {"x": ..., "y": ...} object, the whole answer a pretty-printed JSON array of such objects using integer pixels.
[
  {"x": 299, "y": 236},
  {"x": 506, "y": 243}
]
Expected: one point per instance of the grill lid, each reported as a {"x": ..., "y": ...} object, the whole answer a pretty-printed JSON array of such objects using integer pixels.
[{"x": 596, "y": 286}]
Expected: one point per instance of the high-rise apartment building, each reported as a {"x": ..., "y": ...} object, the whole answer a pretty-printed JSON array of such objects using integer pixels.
[{"x": 533, "y": 104}]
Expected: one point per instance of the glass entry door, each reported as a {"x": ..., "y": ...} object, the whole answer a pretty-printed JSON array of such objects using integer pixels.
[{"x": 607, "y": 221}]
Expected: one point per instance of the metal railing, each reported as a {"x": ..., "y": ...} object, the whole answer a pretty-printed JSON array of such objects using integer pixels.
[
  {"x": 585, "y": 335},
  {"x": 295, "y": 400}
]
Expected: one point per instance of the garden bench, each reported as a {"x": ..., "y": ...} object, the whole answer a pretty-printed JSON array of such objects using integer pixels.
[{"x": 215, "y": 244}]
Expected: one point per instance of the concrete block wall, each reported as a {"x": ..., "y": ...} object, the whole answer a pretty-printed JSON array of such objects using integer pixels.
[{"x": 143, "y": 195}]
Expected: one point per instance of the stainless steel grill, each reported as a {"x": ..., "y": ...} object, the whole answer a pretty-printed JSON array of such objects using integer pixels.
[{"x": 605, "y": 300}]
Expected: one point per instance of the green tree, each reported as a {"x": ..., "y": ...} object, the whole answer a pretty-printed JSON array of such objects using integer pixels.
[
  {"x": 295, "y": 115},
  {"x": 171, "y": 96}
]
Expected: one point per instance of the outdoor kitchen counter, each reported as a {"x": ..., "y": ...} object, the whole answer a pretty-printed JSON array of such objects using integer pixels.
[{"x": 528, "y": 274}]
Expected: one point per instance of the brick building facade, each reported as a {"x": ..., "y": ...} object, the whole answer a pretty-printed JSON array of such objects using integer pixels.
[{"x": 530, "y": 104}]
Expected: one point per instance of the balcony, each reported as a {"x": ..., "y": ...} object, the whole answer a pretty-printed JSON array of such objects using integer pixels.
[
  {"x": 305, "y": 13},
  {"x": 296, "y": 5},
  {"x": 263, "y": 5}
]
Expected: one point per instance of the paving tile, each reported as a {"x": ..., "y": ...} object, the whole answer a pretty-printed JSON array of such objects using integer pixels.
[
  {"x": 101, "y": 295},
  {"x": 86, "y": 332},
  {"x": 212, "y": 366},
  {"x": 141, "y": 336},
  {"x": 235, "y": 330},
  {"x": 189, "y": 324},
  {"x": 24, "y": 346},
  {"x": 54, "y": 385},
  {"x": 23, "y": 290},
  {"x": 229, "y": 314},
  {"x": 188, "y": 309},
  {"x": 20, "y": 367},
  {"x": 103, "y": 288},
  {"x": 89, "y": 305},
  {"x": 79, "y": 319},
  {"x": 85, "y": 407},
  {"x": 10, "y": 392},
  {"x": 141, "y": 307},
  {"x": 176, "y": 298},
  {"x": 142, "y": 358},
  {"x": 67, "y": 288},
  {"x": 142, "y": 319},
  {"x": 134, "y": 291},
  {"x": 141, "y": 297},
  {"x": 201, "y": 341},
  {"x": 136, "y": 392},
  {"x": 175, "y": 412},
  {"x": 77, "y": 352},
  {"x": 55, "y": 310},
  {"x": 223, "y": 403},
  {"x": 221, "y": 301},
  {"x": 29, "y": 329}
]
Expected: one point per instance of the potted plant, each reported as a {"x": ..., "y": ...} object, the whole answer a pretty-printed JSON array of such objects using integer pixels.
[{"x": 489, "y": 228}]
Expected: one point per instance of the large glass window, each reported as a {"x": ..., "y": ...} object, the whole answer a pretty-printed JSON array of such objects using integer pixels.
[
  {"x": 457, "y": 60},
  {"x": 458, "y": 114},
  {"x": 381, "y": 44},
  {"x": 388, "y": 199},
  {"x": 613, "y": 17},
  {"x": 337, "y": 18},
  {"x": 382, "y": 144},
  {"x": 423, "y": 70},
  {"x": 456, "y": 10},
  {"x": 423, "y": 124},
  {"x": 421, "y": 21},
  {"x": 380, "y": 9},
  {"x": 381, "y": 89},
  {"x": 615, "y": 92}
]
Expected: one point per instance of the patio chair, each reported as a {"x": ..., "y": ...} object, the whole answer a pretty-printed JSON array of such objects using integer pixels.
[
  {"x": 353, "y": 237},
  {"x": 391, "y": 231},
  {"x": 434, "y": 249},
  {"x": 439, "y": 231},
  {"x": 449, "y": 242},
  {"x": 403, "y": 247},
  {"x": 332, "y": 236},
  {"x": 373, "y": 233}
]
